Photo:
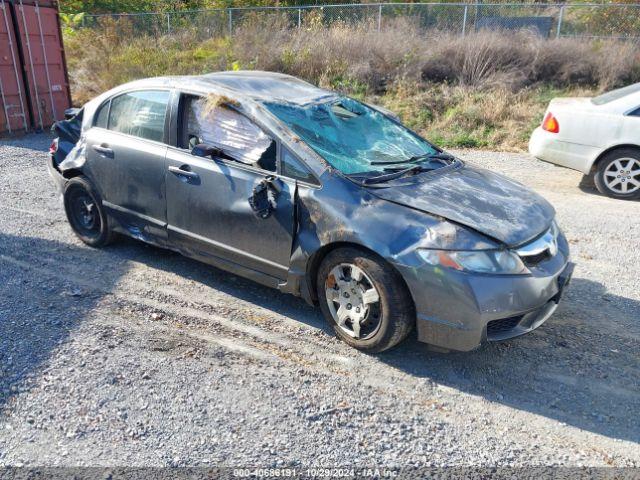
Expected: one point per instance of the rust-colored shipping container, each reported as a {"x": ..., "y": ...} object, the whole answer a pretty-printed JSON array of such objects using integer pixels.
[{"x": 34, "y": 85}]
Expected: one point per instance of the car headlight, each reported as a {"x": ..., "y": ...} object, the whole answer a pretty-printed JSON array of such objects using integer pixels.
[{"x": 480, "y": 261}]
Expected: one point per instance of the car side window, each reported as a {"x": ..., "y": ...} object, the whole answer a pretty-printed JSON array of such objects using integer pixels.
[
  {"x": 210, "y": 121},
  {"x": 140, "y": 114},
  {"x": 291, "y": 167},
  {"x": 102, "y": 115},
  {"x": 635, "y": 113}
]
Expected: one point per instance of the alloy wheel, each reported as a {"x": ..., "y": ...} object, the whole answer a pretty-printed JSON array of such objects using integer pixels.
[{"x": 622, "y": 175}]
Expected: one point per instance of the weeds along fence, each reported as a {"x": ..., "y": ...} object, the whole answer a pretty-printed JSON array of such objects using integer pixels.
[{"x": 610, "y": 21}]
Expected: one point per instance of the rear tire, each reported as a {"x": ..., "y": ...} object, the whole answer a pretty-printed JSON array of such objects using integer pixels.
[
  {"x": 85, "y": 213},
  {"x": 364, "y": 299},
  {"x": 618, "y": 174}
]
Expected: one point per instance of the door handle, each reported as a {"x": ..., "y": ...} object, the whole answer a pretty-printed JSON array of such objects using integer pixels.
[
  {"x": 183, "y": 172},
  {"x": 103, "y": 150},
  {"x": 274, "y": 182}
]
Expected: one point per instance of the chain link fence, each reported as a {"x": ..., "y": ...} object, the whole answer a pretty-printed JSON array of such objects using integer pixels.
[{"x": 615, "y": 21}]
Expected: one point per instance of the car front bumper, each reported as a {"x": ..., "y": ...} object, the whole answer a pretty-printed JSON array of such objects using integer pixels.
[{"x": 460, "y": 311}]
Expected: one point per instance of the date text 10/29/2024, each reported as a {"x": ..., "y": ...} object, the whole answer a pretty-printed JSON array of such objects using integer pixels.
[{"x": 291, "y": 472}]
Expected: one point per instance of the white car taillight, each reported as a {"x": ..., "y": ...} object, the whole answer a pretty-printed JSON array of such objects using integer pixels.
[{"x": 550, "y": 124}]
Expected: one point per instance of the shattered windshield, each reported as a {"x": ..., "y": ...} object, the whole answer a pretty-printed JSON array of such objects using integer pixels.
[{"x": 352, "y": 137}]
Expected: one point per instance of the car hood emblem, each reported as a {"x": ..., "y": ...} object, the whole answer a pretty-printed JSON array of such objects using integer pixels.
[{"x": 547, "y": 242}]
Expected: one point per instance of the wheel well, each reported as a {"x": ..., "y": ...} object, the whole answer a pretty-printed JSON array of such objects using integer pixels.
[
  {"x": 609, "y": 150},
  {"x": 321, "y": 253},
  {"x": 72, "y": 172}
]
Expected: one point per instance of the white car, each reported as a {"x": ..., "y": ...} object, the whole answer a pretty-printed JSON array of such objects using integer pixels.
[{"x": 597, "y": 136}]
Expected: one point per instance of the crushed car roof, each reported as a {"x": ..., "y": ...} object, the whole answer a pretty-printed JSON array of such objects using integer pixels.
[
  {"x": 269, "y": 85},
  {"x": 254, "y": 84}
]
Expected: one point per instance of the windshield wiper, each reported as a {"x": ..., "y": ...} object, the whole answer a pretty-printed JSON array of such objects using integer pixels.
[
  {"x": 397, "y": 174},
  {"x": 415, "y": 158}
]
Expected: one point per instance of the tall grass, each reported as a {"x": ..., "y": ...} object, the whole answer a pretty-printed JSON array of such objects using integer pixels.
[
  {"x": 486, "y": 89},
  {"x": 402, "y": 51}
]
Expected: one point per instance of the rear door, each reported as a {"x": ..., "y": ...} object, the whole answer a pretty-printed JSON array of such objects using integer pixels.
[
  {"x": 208, "y": 210},
  {"x": 126, "y": 153}
]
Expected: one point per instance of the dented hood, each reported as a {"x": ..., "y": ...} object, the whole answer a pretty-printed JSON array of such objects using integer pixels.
[{"x": 490, "y": 203}]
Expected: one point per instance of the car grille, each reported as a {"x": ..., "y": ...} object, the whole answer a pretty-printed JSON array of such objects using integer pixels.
[
  {"x": 533, "y": 260},
  {"x": 540, "y": 249},
  {"x": 502, "y": 325}
]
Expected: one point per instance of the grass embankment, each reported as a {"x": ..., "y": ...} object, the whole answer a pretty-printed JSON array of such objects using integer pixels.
[{"x": 484, "y": 90}]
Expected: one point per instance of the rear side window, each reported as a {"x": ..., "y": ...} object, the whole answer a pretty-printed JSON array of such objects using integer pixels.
[
  {"x": 292, "y": 167},
  {"x": 102, "y": 115},
  {"x": 140, "y": 114},
  {"x": 616, "y": 94}
]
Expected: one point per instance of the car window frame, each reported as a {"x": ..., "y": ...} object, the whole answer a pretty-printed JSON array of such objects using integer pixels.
[
  {"x": 177, "y": 125},
  {"x": 167, "y": 115},
  {"x": 94, "y": 121}
]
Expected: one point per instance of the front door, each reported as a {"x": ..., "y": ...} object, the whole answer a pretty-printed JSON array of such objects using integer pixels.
[{"x": 208, "y": 209}]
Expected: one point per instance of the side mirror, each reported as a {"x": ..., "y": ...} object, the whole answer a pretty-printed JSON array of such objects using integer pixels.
[
  {"x": 263, "y": 200},
  {"x": 204, "y": 150},
  {"x": 69, "y": 113}
]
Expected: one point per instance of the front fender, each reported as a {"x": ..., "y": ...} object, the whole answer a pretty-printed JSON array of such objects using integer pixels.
[{"x": 344, "y": 213}]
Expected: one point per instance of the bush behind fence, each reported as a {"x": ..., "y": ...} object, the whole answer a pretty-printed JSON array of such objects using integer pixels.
[{"x": 618, "y": 21}]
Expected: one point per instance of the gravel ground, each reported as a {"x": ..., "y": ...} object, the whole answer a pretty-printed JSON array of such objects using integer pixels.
[{"x": 132, "y": 355}]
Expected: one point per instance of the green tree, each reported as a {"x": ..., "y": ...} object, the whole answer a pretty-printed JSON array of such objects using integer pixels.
[{"x": 136, "y": 6}]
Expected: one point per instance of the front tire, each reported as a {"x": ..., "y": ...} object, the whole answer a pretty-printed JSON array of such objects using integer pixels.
[
  {"x": 364, "y": 299},
  {"x": 618, "y": 174},
  {"x": 85, "y": 213}
]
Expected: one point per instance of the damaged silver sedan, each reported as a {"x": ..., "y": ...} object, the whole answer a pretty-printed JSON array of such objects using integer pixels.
[{"x": 318, "y": 195}]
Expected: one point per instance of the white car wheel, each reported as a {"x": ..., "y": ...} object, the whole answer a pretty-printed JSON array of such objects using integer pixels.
[{"x": 618, "y": 174}]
